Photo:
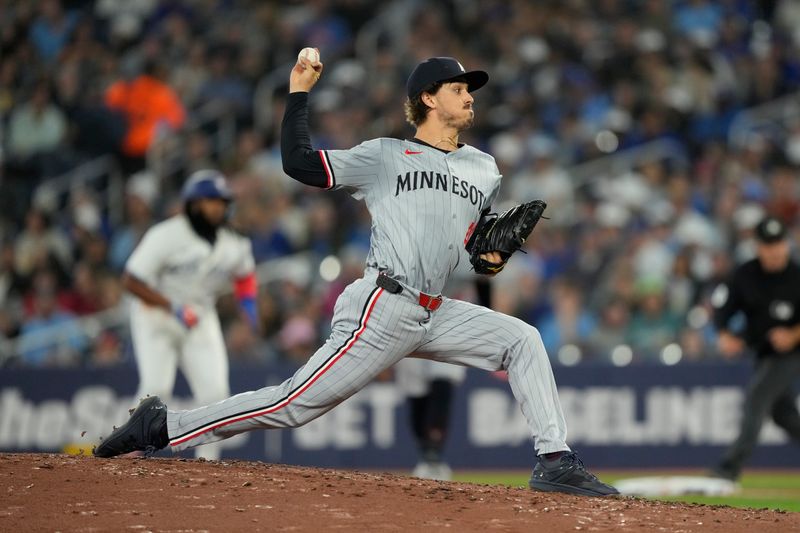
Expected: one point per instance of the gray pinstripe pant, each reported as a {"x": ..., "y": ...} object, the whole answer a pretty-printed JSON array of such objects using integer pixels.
[{"x": 373, "y": 329}]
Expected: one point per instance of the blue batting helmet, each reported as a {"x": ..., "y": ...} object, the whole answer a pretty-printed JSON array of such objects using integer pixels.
[{"x": 206, "y": 184}]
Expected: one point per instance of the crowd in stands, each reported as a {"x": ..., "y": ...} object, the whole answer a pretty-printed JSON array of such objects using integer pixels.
[{"x": 622, "y": 270}]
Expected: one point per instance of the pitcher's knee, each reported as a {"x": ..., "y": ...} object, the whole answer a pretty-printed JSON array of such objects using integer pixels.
[
  {"x": 532, "y": 338},
  {"x": 526, "y": 343},
  {"x": 534, "y": 334}
]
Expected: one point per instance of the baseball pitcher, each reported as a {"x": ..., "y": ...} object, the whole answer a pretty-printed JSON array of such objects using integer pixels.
[
  {"x": 430, "y": 200},
  {"x": 176, "y": 273}
]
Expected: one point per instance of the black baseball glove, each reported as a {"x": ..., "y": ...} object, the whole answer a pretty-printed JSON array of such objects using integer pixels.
[{"x": 504, "y": 234}]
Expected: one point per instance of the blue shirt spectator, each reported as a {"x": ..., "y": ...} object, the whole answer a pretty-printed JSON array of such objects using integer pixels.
[
  {"x": 698, "y": 17},
  {"x": 52, "y": 29},
  {"x": 52, "y": 336}
]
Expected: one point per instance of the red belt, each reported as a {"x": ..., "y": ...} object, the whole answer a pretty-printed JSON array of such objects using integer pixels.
[{"x": 431, "y": 303}]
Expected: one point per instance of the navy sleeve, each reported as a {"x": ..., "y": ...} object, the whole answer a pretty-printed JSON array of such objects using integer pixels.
[{"x": 300, "y": 160}]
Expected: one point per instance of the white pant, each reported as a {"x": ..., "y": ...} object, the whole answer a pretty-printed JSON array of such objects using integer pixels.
[{"x": 162, "y": 345}]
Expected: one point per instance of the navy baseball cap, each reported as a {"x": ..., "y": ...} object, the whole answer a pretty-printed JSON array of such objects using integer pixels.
[
  {"x": 770, "y": 230},
  {"x": 441, "y": 69}
]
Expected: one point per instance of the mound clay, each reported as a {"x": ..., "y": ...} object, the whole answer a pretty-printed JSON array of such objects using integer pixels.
[{"x": 42, "y": 492}]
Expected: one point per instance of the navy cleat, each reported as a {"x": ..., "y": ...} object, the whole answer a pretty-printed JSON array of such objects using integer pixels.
[
  {"x": 567, "y": 474},
  {"x": 145, "y": 431}
]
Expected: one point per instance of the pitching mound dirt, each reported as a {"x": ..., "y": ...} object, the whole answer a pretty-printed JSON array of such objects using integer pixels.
[{"x": 43, "y": 492}]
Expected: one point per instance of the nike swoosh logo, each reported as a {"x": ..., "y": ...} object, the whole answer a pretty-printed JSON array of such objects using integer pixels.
[{"x": 412, "y": 152}]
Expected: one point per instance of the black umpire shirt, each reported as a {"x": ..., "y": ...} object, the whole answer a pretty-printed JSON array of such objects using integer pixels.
[{"x": 767, "y": 300}]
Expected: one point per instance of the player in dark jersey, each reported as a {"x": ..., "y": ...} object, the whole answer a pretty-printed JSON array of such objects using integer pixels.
[{"x": 766, "y": 290}]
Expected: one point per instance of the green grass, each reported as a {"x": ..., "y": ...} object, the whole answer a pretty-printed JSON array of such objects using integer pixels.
[{"x": 774, "y": 490}]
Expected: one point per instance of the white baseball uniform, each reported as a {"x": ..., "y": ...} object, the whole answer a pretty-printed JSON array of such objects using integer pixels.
[{"x": 187, "y": 270}]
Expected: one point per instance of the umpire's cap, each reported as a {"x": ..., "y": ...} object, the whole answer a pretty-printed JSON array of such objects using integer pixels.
[
  {"x": 441, "y": 69},
  {"x": 770, "y": 230},
  {"x": 206, "y": 184}
]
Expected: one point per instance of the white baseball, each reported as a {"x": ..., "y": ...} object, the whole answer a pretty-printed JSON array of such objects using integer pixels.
[{"x": 310, "y": 54}]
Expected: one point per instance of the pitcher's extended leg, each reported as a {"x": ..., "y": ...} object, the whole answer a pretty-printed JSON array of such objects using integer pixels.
[{"x": 371, "y": 331}]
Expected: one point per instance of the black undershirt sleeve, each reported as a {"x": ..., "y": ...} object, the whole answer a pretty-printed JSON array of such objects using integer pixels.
[{"x": 300, "y": 160}]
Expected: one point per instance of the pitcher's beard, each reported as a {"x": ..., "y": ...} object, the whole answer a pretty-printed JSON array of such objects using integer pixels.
[
  {"x": 465, "y": 124},
  {"x": 461, "y": 124}
]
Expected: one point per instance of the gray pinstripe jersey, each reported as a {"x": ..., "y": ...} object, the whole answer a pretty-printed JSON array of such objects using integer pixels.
[{"x": 423, "y": 203}]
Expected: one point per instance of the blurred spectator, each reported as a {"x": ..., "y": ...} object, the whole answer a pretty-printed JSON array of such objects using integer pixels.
[
  {"x": 784, "y": 201},
  {"x": 246, "y": 346},
  {"x": 95, "y": 130},
  {"x": 325, "y": 28},
  {"x": 611, "y": 330},
  {"x": 109, "y": 288},
  {"x": 298, "y": 338},
  {"x": 149, "y": 104},
  {"x": 224, "y": 89},
  {"x": 38, "y": 243},
  {"x": 36, "y": 132},
  {"x": 269, "y": 314},
  {"x": 652, "y": 324},
  {"x": 44, "y": 277},
  {"x": 52, "y": 337},
  {"x": 249, "y": 156},
  {"x": 51, "y": 30},
  {"x": 36, "y": 129},
  {"x": 8, "y": 80},
  {"x": 569, "y": 322},
  {"x": 11, "y": 283},
  {"x": 321, "y": 228},
  {"x": 93, "y": 249},
  {"x": 693, "y": 345},
  {"x": 9, "y": 329},
  {"x": 140, "y": 197},
  {"x": 545, "y": 179},
  {"x": 699, "y": 20},
  {"x": 125, "y": 19},
  {"x": 106, "y": 350},
  {"x": 681, "y": 287},
  {"x": 268, "y": 238},
  {"x": 83, "y": 298},
  {"x": 190, "y": 76},
  {"x": 85, "y": 216}
]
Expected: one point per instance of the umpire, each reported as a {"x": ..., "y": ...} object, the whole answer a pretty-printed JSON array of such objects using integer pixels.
[{"x": 766, "y": 290}]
